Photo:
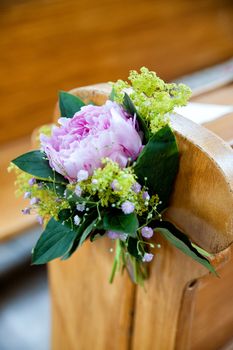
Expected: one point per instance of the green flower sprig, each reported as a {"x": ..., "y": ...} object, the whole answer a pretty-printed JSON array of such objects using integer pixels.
[
  {"x": 46, "y": 199},
  {"x": 153, "y": 98},
  {"x": 113, "y": 186}
]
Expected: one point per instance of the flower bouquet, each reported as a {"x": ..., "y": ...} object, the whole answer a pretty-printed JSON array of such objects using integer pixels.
[{"x": 108, "y": 171}]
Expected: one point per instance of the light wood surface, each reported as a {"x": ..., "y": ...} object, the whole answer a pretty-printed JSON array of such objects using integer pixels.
[
  {"x": 52, "y": 45},
  {"x": 165, "y": 313},
  {"x": 82, "y": 300},
  {"x": 88, "y": 312},
  {"x": 201, "y": 202},
  {"x": 212, "y": 321}
]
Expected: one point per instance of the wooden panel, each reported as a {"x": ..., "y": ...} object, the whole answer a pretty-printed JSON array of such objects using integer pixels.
[
  {"x": 88, "y": 312},
  {"x": 201, "y": 202},
  {"x": 212, "y": 325},
  {"x": 157, "y": 312},
  {"x": 51, "y": 45}
]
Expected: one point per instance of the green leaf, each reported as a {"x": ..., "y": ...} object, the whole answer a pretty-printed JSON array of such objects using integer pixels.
[
  {"x": 96, "y": 235},
  {"x": 53, "y": 243},
  {"x": 36, "y": 164},
  {"x": 65, "y": 214},
  {"x": 112, "y": 95},
  {"x": 159, "y": 162},
  {"x": 88, "y": 221},
  {"x": 131, "y": 109},
  {"x": 181, "y": 242},
  {"x": 201, "y": 251},
  {"x": 117, "y": 221},
  {"x": 57, "y": 188},
  {"x": 132, "y": 247},
  {"x": 87, "y": 231},
  {"x": 72, "y": 197},
  {"x": 69, "y": 104}
]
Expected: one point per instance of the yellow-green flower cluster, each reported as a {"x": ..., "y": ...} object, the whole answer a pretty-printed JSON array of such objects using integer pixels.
[
  {"x": 153, "y": 98},
  {"x": 114, "y": 186},
  {"x": 49, "y": 203}
]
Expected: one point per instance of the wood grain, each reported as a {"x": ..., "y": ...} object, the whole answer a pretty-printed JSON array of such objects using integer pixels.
[
  {"x": 87, "y": 311},
  {"x": 212, "y": 321},
  {"x": 81, "y": 298},
  {"x": 201, "y": 202},
  {"x": 160, "y": 312},
  {"x": 52, "y": 45}
]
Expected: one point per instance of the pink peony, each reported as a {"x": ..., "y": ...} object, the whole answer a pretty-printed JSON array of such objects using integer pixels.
[{"x": 94, "y": 133}]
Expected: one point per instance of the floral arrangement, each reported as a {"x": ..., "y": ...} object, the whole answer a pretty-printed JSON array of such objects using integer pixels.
[{"x": 108, "y": 171}]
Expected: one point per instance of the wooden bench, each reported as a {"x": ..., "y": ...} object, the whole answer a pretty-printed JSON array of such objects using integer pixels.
[
  {"x": 182, "y": 306},
  {"x": 136, "y": 35}
]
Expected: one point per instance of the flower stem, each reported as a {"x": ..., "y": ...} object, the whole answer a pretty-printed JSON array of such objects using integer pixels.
[{"x": 116, "y": 261}]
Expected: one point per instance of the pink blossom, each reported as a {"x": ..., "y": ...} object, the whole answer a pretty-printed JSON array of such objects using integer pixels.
[
  {"x": 147, "y": 232},
  {"x": 117, "y": 235},
  {"x": 127, "y": 207},
  {"x": 136, "y": 187},
  {"x": 26, "y": 211},
  {"x": 32, "y": 181},
  {"x": 34, "y": 200},
  {"x": 94, "y": 133},
  {"x": 147, "y": 257},
  {"x": 39, "y": 219},
  {"x": 27, "y": 195}
]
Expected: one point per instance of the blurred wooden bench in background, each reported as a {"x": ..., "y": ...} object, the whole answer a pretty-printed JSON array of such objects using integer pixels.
[{"x": 51, "y": 45}]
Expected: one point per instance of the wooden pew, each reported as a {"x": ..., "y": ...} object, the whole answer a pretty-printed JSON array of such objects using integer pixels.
[
  {"x": 49, "y": 46},
  {"x": 182, "y": 306}
]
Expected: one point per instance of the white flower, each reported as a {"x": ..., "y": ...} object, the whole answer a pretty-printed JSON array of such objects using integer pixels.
[
  {"x": 82, "y": 175},
  {"x": 77, "y": 220},
  {"x": 147, "y": 257},
  {"x": 127, "y": 207},
  {"x": 78, "y": 191},
  {"x": 80, "y": 206}
]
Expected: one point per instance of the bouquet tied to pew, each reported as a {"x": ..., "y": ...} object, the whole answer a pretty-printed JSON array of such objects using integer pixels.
[{"x": 108, "y": 171}]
